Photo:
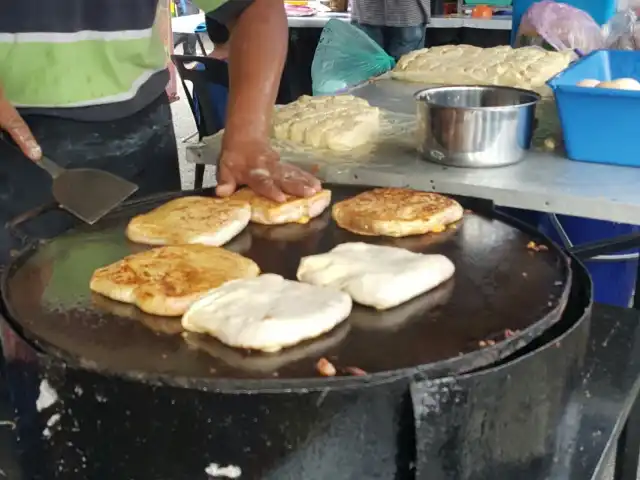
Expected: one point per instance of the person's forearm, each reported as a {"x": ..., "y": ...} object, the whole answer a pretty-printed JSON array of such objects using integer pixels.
[{"x": 258, "y": 50}]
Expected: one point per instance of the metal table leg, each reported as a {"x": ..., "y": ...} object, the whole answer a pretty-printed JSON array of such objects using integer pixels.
[
  {"x": 636, "y": 295},
  {"x": 628, "y": 451}
]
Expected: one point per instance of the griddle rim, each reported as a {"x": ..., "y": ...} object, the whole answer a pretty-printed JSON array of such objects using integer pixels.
[{"x": 454, "y": 366}]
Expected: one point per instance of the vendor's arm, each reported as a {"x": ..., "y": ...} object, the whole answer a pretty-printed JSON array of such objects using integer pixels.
[{"x": 259, "y": 37}]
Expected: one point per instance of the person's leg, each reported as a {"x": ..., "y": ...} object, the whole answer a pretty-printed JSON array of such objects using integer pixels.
[
  {"x": 402, "y": 40},
  {"x": 375, "y": 33}
]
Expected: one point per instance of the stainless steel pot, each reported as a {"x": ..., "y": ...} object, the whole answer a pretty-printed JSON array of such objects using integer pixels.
[{"x": 475, "y": 126}]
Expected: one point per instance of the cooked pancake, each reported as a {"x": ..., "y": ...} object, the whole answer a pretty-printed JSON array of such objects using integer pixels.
[
  {"x": 191, "y": 220},
  {"x": 267, "y": 313},
  {"x": 293, "y": 210},
  {"x": 396, "y": 212},
  {"x": 167, "y": 280}
]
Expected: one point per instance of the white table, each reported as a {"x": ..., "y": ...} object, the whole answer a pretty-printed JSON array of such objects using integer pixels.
[
  {"x": 189, "y": 23},
  {"x": 495, "y": 23},
  {"x": 542, "y": 181},
  {"x": 186, "y": 24}
]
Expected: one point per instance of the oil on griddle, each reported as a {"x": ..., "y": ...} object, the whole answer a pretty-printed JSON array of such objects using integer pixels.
[{"x": 499, "y": 286}]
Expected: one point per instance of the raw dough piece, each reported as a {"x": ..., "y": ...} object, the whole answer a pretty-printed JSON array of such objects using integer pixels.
[
  {"x": 267, "y": 313},
  {"x": 588, "y": 82},
  {"x": 630, "y": 84},
  {"x": 294, "y": 210},
  {"x": 191, "y": 220},
  {"x": 526, "y": 67},
  {"x": 339, "y": 123},
  {"x": 167, "y": 280},
  {"x": 374, "y": 275},
  {"x": 396, "y": 212}
]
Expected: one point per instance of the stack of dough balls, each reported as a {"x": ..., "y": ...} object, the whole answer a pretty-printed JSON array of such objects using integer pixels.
[
  {"x": 339, "y": 123},
  {"x": 527, "y": 67},
  {"x": 630, "y": 84}
]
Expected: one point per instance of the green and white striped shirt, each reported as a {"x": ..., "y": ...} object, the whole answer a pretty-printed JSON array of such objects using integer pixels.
[{"x": 86, "y": 59}]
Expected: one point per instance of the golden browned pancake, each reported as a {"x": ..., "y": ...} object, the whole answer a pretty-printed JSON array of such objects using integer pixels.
[
  {"x": 396, "y": 212},
  {"x": 191, "y": 220},
  {"x": 167, "y": 280},
  {"x": 293, "y": 210}
]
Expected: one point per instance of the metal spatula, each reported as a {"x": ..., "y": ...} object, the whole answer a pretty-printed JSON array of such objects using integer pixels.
[{"x": 87, "y": 193}]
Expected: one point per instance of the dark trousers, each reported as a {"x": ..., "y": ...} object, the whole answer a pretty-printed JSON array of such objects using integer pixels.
[
  {"x": 141, "y": 148},
  {"x": 396, "y": 41}
]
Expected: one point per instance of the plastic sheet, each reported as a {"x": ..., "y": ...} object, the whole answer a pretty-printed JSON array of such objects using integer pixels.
[
  {"x": 622, "y": 31},
  {"x": 560, "y": 27},
  {"x": 397, "y": 137},
  {"x": 397, "y": 134},
  {"x": 345, "y": 58}
]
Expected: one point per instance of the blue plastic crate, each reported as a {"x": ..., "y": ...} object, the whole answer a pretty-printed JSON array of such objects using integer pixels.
[{"x": 600, "y": 125}]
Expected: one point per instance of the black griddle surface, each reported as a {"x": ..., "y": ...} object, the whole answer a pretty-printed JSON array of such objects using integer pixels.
[{"x": 499, "y": 284}]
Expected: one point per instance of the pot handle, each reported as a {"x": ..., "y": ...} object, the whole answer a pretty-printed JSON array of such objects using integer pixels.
[
  {"x": 13, "y": 225},
  {"x": 436, "y": 408}
]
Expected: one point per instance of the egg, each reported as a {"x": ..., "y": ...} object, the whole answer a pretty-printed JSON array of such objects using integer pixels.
[
  {"x": 588, "y": 82},
  {"x": 621, "y": 84}
]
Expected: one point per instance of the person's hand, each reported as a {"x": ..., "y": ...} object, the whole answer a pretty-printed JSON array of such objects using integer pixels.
[
  {"x": 15, "y": 126},
  {"x": 258, "y": 166}
]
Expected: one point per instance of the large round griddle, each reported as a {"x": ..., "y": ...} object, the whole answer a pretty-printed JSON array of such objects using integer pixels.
[{"x": 502, "y": 293}]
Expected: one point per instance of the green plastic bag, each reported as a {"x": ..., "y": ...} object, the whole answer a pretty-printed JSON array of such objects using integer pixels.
[{"x": 346, "y": 57}]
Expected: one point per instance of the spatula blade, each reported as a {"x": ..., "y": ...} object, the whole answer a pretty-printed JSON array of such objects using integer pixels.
[{"x": 90, "y": 194}]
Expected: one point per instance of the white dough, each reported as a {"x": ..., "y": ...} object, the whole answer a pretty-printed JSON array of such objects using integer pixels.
[
  {"x": 527, "y": 67},
  {"x": 267, "y": 313},
  {"x": 339, "y": 123},
  {"x": 588, "y": 82},
  {"x": 375, "y": 275},
  {"x": 621, "y": 84}
]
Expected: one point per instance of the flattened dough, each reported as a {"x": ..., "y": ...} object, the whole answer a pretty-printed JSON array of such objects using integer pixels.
[
  {"x": 267, "y": 313},
  {"x": 526, "y": 67},
  {"x": 339, "y": 123},
  {"x": 377, "y": 276}
]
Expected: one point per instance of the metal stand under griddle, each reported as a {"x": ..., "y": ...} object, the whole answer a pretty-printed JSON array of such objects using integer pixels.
[
  {"x": 627, "y": 456},
  {"x": 457, "y": 417},
  {"x": 608, "y": 378}
]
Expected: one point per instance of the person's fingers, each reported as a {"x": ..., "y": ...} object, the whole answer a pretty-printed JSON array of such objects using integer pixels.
[
  {"x": 262, "y": 183},
  {"x": 226, "y": 181},
  {"x": 298, "y": 187},
  {"x": 12, "y": 122},
  {"x": 316, "y": 184},
  {"x": 295, "y": 181}
]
